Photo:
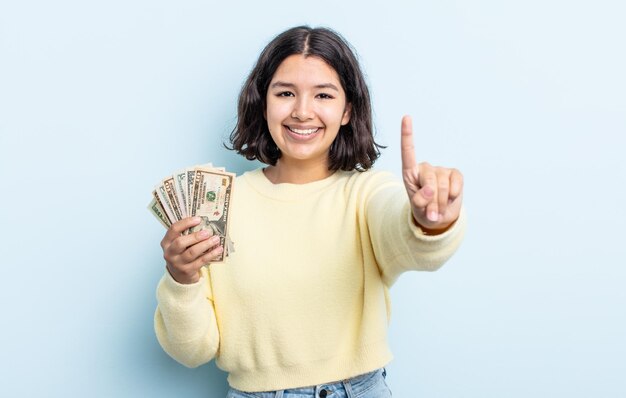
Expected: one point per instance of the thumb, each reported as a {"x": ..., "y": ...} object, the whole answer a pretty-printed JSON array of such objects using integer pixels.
[{"x": 423, "y": 197}]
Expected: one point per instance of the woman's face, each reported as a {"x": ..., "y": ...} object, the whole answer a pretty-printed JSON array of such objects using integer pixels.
[{"x": 306, "y": 105}]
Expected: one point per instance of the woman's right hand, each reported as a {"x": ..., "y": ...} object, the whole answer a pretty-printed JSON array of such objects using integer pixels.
[{"x": 186, "y": 254}]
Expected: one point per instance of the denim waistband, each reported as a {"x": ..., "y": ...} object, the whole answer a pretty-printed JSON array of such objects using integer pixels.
[{"x": 356, "y": 386}]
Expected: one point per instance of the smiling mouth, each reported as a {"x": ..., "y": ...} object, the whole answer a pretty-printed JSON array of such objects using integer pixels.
[{"x": 303, "y": 132}]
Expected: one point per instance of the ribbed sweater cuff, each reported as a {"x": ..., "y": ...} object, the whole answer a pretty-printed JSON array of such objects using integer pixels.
[
  {"x": 454, "y": 230},
  {"x": 183, "y": 295}
]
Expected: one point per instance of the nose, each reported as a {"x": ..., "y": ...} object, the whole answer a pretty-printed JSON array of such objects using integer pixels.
[{"x": 302, "y": 109}]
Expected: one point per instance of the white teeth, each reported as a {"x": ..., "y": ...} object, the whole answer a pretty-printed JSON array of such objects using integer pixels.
[{"x": 304, "y": 132}]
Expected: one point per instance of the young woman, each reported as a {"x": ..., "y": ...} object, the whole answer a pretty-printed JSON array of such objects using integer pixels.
[{"x": 301, "y": 308}]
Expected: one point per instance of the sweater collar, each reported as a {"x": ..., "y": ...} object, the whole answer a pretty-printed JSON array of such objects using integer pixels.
[{"x": 288, "y": 191}]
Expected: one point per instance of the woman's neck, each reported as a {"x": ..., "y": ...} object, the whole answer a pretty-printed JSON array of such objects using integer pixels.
[{"x": 297, "y": 172}]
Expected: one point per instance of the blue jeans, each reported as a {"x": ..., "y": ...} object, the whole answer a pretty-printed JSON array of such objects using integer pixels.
[{"x": 368, "y": 385}]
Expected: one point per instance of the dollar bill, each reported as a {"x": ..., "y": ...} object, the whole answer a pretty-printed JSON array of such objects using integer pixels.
[
  {"x": 212, "y": 192},
  {"x": 157, "y": 210},
  {"x": 161, "y": 197},
  {"x": 191, "y": 172},
  {"x": 170, "y": 190},
  {"x": 180, "y": 185}
]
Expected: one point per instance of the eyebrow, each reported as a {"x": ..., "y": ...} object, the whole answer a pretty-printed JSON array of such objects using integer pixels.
[{"x": 291, "y": 85}]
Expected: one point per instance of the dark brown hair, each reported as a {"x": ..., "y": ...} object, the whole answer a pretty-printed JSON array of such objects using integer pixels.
[{"x": 354, "y": 146}]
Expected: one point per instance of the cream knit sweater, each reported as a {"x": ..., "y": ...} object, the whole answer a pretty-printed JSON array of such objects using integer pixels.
[{"x": 304, "y": 299}]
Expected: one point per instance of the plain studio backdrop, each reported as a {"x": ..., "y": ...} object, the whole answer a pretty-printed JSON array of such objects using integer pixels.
[{"x": 99, "y": 100}]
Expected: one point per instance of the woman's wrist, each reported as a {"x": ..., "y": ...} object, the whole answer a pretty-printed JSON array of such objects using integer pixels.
[{"x": 433, "y": 231}]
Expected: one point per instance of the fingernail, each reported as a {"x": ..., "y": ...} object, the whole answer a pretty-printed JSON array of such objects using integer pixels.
[
  {"x": 197, "y": 219},
  {"x": 433, "y": 216},
  {"x": 428, "y": 192},
  {"x": 219, "y": 249},
  {"x": 215, "y": 239},
  {"x": 203, "y": 234}
]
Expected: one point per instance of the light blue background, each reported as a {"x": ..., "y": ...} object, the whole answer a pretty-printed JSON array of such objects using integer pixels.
[{"x": 99, "y": 100}]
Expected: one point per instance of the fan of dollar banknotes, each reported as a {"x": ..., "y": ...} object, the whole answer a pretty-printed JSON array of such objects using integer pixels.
[{"x": 202, "y": 191}]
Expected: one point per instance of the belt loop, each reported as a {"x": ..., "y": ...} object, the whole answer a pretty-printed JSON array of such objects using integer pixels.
[
  {"x": 279, "y": 394},
  {"x": 348, "y": 387}
]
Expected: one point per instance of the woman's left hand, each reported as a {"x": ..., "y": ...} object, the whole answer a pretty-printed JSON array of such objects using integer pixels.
[{"x": 435, "y": 193}]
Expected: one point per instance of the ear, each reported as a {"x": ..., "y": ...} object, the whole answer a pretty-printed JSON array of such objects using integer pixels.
[{"x": 346, "y": 114}]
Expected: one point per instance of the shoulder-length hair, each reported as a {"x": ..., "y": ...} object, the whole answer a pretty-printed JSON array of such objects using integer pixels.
[{"x": 354, "y": 147}]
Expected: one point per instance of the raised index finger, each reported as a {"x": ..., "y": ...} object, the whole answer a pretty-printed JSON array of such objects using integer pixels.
[{"x": 406, "y": 143}]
